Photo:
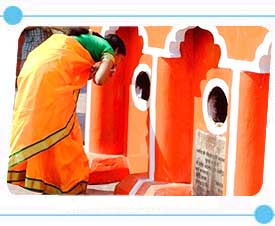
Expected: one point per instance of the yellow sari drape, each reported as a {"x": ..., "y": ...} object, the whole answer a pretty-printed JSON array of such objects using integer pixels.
[{"x": 46, "y": 152}]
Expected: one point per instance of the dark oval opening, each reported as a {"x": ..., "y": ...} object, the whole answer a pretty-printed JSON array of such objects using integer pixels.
[
  {"x": 217, "y": 105},
  {"x": 143, "y": 85}
]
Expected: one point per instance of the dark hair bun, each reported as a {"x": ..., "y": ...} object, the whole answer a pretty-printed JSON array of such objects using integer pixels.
[{"x": 76, "y": 31}]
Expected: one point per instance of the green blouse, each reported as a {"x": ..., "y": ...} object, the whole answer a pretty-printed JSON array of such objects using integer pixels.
[{"x": 98, "y": 47}]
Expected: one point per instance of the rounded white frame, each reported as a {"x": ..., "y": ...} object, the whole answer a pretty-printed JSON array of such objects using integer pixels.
[
  {"x": 141, "y": 104},
  {"x": 210, "y": 124}
]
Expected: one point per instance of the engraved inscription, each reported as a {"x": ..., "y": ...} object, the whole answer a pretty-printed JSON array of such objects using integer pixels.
[{"x": 209, "y": 163}]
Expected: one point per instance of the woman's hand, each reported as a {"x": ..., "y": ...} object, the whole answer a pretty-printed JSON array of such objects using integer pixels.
[{"x": 94, "y": 69}]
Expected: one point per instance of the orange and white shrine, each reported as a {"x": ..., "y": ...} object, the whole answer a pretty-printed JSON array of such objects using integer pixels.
[{"x": 184, "y": 114}]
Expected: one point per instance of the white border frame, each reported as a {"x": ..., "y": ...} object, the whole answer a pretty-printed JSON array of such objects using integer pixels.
[{"x": 139, "y": 103}]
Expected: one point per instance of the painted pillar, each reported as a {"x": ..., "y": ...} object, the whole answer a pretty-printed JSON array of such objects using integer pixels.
[
  {"x": 211, "y": 133},
  {"x": 251, "y": 133},
  {"x": 177, "y": 84},
  {"x": 110, "y": 102},
  {"x": 139, "y": 121}
]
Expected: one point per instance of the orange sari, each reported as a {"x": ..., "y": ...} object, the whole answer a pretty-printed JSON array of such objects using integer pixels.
[{"x": 46, "y": 152}]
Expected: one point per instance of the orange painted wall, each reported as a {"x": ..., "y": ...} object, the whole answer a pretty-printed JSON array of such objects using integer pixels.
[
  {"x": 110, "y": 103},
  {"x": 138, "y": 132},
  {"x": 157, "y": 35},
  {"x": 177, "y": 85},
  {"x": 251, "y": 133},
  {"x": 242, "y": 41},
  {"x": 96, "y": 29}
]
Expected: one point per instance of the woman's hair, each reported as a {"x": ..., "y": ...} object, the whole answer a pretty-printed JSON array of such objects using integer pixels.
[
  {"x": 114, "y": 40},
  {"x": 117, "y": 43},
  {"x": 76, "y": 31}
]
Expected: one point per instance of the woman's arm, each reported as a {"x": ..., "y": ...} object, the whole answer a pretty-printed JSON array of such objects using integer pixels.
[{"x": 103, "y": 72}]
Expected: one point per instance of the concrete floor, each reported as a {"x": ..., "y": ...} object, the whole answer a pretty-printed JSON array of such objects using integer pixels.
[{"x": 102, "y": 189}]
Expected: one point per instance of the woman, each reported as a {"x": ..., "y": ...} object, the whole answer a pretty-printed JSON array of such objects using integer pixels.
[{"x": 46, "y": 153}]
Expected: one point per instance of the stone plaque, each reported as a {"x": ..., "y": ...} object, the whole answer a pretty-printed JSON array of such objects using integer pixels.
[{"x": 209, "y": 163}]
